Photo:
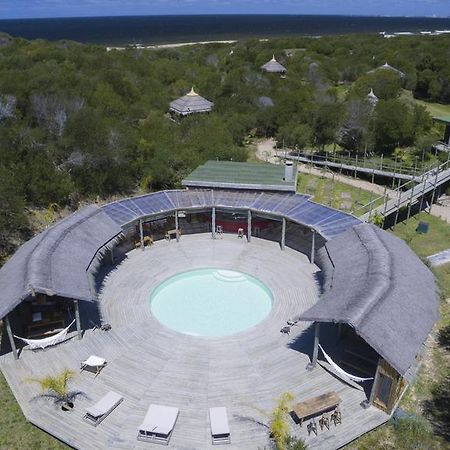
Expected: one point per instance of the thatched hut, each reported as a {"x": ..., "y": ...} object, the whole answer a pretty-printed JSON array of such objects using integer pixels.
[
  {"x": 273, "y": 66},
  {"x": 191, "y": 103}
]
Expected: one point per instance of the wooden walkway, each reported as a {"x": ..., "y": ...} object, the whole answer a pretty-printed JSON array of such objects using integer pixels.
[{"x": 148, "y": 363}]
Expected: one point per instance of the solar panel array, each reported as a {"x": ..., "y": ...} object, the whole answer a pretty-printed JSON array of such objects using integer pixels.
[{"x": 295, "y": 207}]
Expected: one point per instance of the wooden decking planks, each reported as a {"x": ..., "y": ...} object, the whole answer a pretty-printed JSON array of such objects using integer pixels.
[{"x": 148, "y": 363}]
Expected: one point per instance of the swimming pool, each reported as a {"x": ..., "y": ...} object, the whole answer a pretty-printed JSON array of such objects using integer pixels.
[{"x": 211, "y": 302}]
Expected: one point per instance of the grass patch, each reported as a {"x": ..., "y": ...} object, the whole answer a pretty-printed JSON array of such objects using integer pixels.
[
  {"x": 435, "y": 109},
  {"x": 436, "y": 240},
  {"x": 334, "y": 193},
  {"x": 16, "y": 433}
]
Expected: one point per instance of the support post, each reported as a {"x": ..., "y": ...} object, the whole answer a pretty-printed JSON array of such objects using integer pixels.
[
  {"x": 424, "y": 182},
  {"x": 313, "y": 246},
  {"x": 176, "y": 226},
  {"x": 77, "y": 318},
  {"x": 213, "y": 223},
  {"x": 398, "y": 206},
  {"x": 374, "y": 386},
  {"x": 11, "y": 338},
  {"x": 283, "y": 233},
  {"x": 141, "y": 234},
  {"x": 313, "y": 362},
  {"x": 434, "y": 189},
  {"x": 249, "y": 226},
  {"x": 410, "y": 202}
]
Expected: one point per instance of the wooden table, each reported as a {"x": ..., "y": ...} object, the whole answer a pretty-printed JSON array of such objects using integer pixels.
[{"x": 316, "y": 405}]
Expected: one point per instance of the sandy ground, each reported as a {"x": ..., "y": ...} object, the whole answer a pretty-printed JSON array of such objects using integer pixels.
[
  {"x": 180, "y": 44},
  {"x": 265, "y": 150}
]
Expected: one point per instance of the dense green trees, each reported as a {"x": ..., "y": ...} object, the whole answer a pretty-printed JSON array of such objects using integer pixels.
[{"x": 77, "y": 121}]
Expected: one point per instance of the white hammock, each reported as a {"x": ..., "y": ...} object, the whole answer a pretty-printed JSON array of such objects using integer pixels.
[
  {"x": 341, "y": 371},
  {"x": 46, "y": 342}
]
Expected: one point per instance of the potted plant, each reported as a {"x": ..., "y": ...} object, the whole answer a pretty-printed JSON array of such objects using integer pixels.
[{"x": 56, "y": 388}]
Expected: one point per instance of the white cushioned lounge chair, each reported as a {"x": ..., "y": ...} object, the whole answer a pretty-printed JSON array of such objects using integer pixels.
[
  {"x": 220, "y": 430},
  {"x": 93, "y": 364},
  {"x": 158, "y": 424},
  {"x": 98, "y": 412}
]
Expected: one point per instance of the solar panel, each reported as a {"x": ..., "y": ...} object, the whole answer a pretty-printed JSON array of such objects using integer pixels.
[
  {"x": 268, "y": 201},
  {"x": 295, "y": 207},
  {"x": 290, "y": 201},
  {"x": 119, "y": 213},
  {"x": 153, "y": 203}
]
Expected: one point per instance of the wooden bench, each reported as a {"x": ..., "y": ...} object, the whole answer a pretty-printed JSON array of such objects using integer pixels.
[{"x": 316, "y": 405}]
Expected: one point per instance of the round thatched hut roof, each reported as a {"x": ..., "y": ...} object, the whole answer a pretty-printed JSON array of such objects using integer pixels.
[
  {"x": 190, "y": 103},
  {"x": 265, "y": 101},
  {"x": 273, "y": 66},
  {"x": 372, "y": 98},
  {"x": 387, "y": 66}
]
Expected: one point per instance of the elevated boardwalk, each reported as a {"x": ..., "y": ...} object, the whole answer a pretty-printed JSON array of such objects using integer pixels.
[
  {"x": 428, "y": 184},
  {"x": 148, "y": 363},
  {"x": 388, "y": 171}
]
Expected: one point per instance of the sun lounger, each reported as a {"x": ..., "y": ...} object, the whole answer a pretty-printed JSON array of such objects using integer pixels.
[
  {"x": 98, "y": 412},
  {"x": 158, "y": 424},
  {"x": 93, "y": 364},
  {"x": 220, "y": 431}
]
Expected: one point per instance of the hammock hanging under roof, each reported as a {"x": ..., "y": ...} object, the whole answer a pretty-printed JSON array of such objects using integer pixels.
[
  {"x": 342, "y": 371},
  {"x": 46, "y": 342}
]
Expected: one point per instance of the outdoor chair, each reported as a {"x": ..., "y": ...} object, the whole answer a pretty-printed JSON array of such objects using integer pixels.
[
  {"x": 98, "y": 412},
  {"x": 336, "y": 417},
  {"x": 158, "y": 424},
  {"x": 324, "y": 421},
  {"x": 312, "y": 427},
  {"x": 220, "y": 430},
  {"x": 93, "y": 364}
]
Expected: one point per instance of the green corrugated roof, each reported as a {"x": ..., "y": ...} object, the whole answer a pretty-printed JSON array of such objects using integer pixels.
[
  {"x": 240, "y": 175},
  {"x": 443, "y": 119}
]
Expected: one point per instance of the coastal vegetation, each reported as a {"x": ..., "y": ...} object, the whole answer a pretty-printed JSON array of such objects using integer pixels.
[{"x": 78, "y": 122}]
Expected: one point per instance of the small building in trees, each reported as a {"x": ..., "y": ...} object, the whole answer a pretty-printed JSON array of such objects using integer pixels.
[
  {"x": 372, "y": 99},
  {"x": 273, "y": 66},
  {"x": 243, "y": 176},
  {"x": 265, "y": 101},
  {"x": 387, "y": 66},
  {"x": 444, "y": 143},
  {"x": 191, "y": 103}
]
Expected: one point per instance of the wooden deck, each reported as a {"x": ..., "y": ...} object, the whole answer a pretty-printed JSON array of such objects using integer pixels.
[{"x": 148, "y": 363}]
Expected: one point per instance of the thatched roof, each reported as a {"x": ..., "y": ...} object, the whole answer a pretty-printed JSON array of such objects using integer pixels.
[
  {"x": 387, "y": 66},
  {"x": 191, "y": 103},
  {"x": 372, "y": 98},
  {"x": 265, "y": 101},
  {"x": 55, "y": 262},
  {"x": 60, "y": 261},
  {"x": 377, "y": 284},
  {"x": 273, "y": 66}
]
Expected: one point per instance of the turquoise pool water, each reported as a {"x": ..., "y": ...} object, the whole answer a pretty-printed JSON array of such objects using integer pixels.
[{"x": 211, "y": 302}]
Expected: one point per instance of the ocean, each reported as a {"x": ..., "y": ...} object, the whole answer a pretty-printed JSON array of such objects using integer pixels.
[{"x": 151, "y": 30}]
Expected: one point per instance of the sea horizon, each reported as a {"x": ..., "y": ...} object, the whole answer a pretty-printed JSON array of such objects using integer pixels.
[{"x": 189, "y": 28}]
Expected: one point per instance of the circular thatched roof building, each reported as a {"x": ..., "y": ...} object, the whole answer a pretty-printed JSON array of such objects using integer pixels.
[
  {"x": 387, "y": 66},
  {"x": 190, "y": 103},
  {"x": 273, "y": 66}
]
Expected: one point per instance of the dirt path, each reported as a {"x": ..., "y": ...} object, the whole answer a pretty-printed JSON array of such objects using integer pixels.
[{"x": 265, "y": 150}]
